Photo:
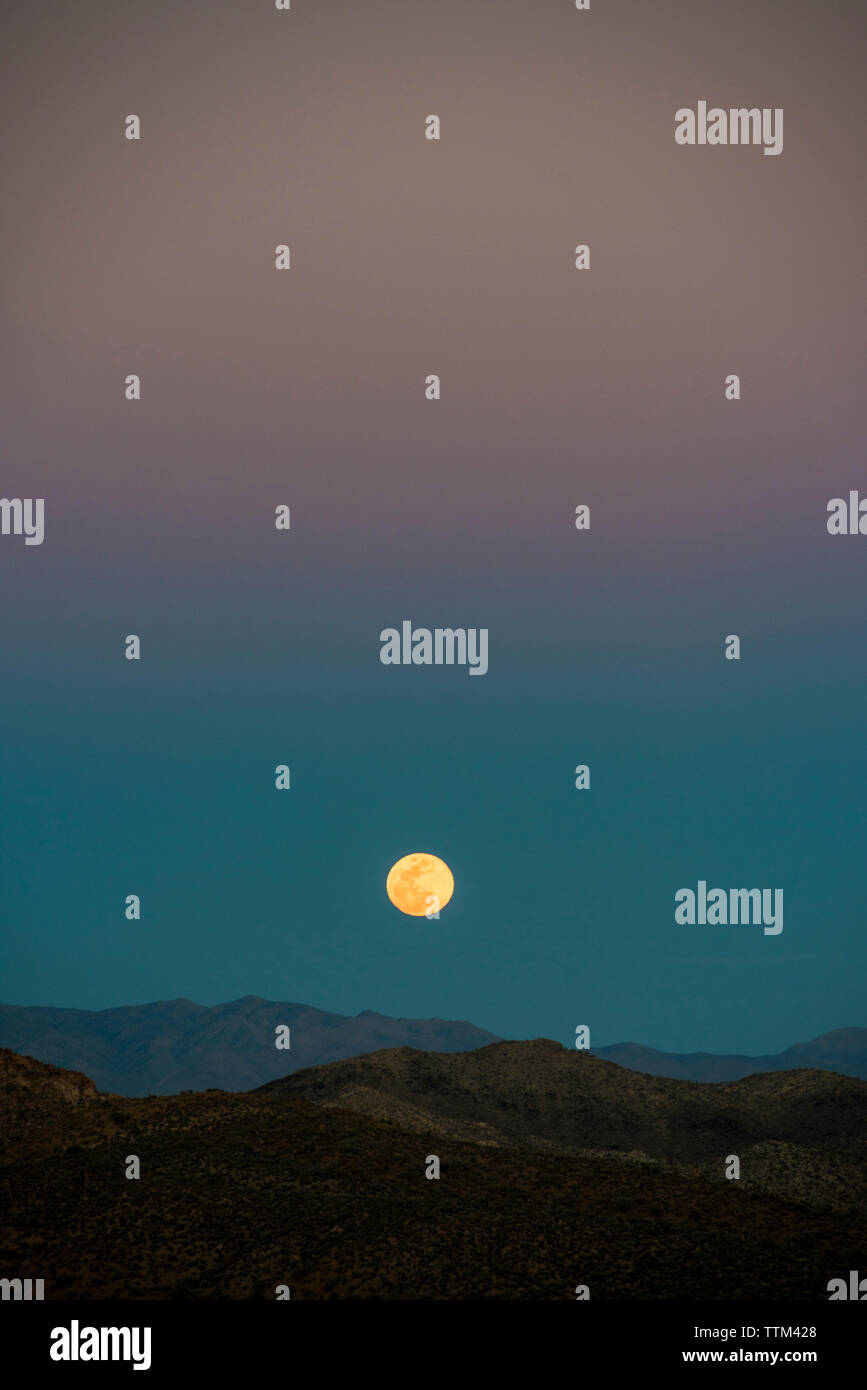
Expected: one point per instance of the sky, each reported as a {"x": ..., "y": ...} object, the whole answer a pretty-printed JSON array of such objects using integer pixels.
[{"x": 560, "y": 387}]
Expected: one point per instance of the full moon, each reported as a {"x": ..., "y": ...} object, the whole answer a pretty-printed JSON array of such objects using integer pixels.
[{"x": 420, "y": 884}]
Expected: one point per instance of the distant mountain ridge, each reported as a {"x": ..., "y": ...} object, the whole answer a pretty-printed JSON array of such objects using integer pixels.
[
  {"x": 175, "y": 1045},
  {"x": 843, "y": 1050}
]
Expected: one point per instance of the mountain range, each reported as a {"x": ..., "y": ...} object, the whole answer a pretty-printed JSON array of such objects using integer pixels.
[
  {"x": 843, "y": 1050},
  {"x": 175, "y": 1045}
]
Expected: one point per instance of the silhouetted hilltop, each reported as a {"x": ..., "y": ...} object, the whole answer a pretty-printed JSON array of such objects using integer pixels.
[
  {"x": 542, "y": 1090},
  {"x": 801, "y": 1132}
]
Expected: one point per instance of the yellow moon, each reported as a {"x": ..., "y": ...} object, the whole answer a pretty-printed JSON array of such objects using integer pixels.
[{"x": 420, "y": 884}]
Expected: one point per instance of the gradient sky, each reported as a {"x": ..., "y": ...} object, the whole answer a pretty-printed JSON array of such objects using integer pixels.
[{"x": 307, "y": 387}]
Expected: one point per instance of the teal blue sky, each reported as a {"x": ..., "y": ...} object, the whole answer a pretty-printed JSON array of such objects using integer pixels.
[
  {"x": 157, "y": 778},
  {"x": 560, "y": 387}
]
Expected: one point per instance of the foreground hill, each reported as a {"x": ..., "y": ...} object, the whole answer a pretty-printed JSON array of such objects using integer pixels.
[
  {"x": 37, "y": 1101},
  {"x": 241, "y": 1193},
  {"x": 175, "y": 1045},
  {"x": 803, "y": 1133}
]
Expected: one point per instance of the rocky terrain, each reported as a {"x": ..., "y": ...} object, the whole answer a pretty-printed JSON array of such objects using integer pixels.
[
  {"x": 800, "y": 1133},
  {"x": 557, "y": 1169}
]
